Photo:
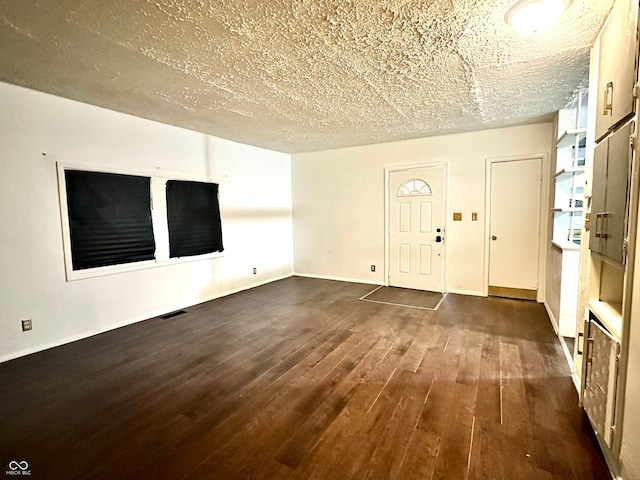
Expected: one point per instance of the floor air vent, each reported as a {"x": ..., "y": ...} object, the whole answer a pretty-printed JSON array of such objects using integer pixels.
[{"x": 173, "y": 314}]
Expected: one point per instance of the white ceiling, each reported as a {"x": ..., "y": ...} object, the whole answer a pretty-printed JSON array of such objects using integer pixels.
[{"x": 296, "y": 75}]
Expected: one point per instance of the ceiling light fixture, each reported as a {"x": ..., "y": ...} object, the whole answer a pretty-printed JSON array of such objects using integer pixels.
[{"x": 529, "y": 17}]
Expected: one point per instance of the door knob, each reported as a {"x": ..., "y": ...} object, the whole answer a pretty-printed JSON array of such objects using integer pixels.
[
  {"x": 493, "y": 237},
  {"x": 438, "y": 239}
]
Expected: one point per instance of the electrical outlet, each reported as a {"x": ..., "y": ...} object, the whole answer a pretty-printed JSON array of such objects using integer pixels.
[
  {"x": 373, "y": 268},
  {"x": 255, "y": 270},
  {"x": 26, "y": 325}
]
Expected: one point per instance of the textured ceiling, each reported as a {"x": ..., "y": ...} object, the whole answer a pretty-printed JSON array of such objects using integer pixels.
[{"x": 295, "y": 75}]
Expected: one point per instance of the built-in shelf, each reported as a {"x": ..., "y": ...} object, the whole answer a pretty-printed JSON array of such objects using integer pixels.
[
  {"x": 567, "y": 173},
  {"x": 609, "y": 314},
  {"x": 610, "y": 262},
  {"x": 568, "y": 138},
  {"x": 567, "y": 210},
  {"x": 566, "y": 245},
  {"x": 568, "y": 180}
]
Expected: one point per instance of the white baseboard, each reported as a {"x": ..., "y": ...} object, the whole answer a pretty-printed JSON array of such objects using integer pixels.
[
  {"x": 338, "y": 279},
  {"x": 473, "y": 293},
  {"x": 147, "y": 316},
  {"x": 554, "y": 322},
  {"x": 576, "y": 381},
  {"x": 246, "y": 287},
  {"x": 565, "y": 349}
]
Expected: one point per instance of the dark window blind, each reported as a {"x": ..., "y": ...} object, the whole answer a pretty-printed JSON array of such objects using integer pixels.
[
  {"x": 109, "y": 218},
  {"x": 193, "y": 215}
]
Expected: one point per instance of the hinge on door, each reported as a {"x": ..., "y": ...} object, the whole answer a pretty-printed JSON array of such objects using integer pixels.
[
  {"x": 625, "y": 248},
  {"x": 632, "y": 141},
  {"x": 636, "y": 90}
]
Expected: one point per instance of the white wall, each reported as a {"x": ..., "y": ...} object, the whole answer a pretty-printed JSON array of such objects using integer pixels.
[
  {"x": 255, "y": 200},
  {"x": 338, "y": 202}
]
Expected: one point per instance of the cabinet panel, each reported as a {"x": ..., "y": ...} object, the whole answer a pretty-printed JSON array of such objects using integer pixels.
[
  {"x": 616, "y": 70},
  {"x": 598, "y": 190},
  {"x": 601, "y": 379},
  {"x": 618, "y": 164},
  {"x": 610, "y": 194}
]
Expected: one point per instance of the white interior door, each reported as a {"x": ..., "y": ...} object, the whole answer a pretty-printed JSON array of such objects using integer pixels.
[
  {"x": 515, "y": 224},
  {"x": 416, "y": 228}
]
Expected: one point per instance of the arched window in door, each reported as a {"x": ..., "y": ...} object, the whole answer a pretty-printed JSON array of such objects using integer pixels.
[{"x": 415, "y": 186}]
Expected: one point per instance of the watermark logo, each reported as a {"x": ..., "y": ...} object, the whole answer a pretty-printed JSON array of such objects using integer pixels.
[{"x": 17, "y": 468}]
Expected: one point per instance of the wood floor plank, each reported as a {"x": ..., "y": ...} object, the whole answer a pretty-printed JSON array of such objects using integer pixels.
[
  {"x": 516, "y": 413},
  {"x": 323, "y": 404},
  {"x": 343, "y": 455},
  {"x": 299, "y": 380},
  {"x": 486, "y": 457},
  {"x": 397, "y": 431},
  {"x": 454, "y": 459},
  {"x": 265, "y": 416}
]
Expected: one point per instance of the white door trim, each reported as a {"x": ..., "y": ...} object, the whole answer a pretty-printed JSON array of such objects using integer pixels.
[
  {"x": 544, "y": 217},
  {"x": 387, "y": 206}
]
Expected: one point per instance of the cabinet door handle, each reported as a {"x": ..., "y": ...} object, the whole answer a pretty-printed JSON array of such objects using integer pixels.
[
  {"x": 589, "y": 349},
  {"x": 598, "y": 225},
  {"x": 608, "y": 99},
  {"x": 580, "y": 336},
  {"x": 604, "y": 224},
  {"x": 589, "y": 366}
]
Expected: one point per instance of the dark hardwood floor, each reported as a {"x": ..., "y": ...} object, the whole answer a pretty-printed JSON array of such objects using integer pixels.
[{"x": 299, "y": 379}]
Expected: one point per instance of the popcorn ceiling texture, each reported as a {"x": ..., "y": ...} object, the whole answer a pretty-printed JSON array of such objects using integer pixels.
[{"x": 296, "y": 75}]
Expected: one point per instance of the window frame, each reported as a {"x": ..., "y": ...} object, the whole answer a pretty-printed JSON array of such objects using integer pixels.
[
  {"x": 159, "y": 221},
  {"x": 418, "y": 194}
]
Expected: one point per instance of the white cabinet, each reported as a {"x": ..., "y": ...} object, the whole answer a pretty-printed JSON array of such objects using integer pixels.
[
  {"x": 610, "y": 194},
  {"x": 611, "y": 247},
  {"x": 616, "y": 67}
]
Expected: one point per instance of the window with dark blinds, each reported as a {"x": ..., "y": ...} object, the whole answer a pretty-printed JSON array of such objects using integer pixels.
[
  {"x": 193, "y": 216},
  {"x": 109, "y": 218}
]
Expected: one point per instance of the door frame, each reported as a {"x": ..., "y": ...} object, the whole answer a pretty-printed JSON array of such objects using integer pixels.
[
  {"x": 387, "y": 210},
  {"x": 544, "y": 217}
]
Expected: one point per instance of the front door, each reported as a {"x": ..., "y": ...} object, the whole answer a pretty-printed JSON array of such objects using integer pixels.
[{"x": 416, "y": 228}]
